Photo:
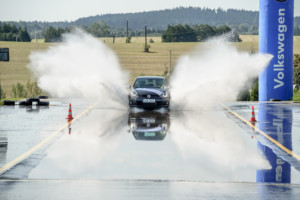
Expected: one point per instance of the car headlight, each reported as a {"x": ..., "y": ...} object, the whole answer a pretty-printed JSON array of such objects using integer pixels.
[
  {"x": 165, "y": 95},
  {"x": 133, "y": 94},
  {"x": 133, "y": 126}
]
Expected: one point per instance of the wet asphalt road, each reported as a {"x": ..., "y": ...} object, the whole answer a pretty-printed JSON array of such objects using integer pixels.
[{"x": 133, "y": 154}]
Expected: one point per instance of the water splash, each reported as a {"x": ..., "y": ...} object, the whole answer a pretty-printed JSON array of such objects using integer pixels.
[
  {"x": 214, "y": 71},
  {"x": 80, "y": 67}
]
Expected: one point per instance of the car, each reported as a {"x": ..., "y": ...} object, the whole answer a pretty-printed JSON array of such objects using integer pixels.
[{"x": 149, "y": 92}]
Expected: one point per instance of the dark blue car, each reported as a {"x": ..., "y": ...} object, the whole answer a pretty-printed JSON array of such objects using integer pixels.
[{"x": 149, "y": 92}]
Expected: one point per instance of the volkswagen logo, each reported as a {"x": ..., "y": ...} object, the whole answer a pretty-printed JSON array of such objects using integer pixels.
[
  {"x": 149, "y": 96},
  {"x": 281, "y": 0}
]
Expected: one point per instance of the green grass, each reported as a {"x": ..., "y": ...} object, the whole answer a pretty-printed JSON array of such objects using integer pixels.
[
  {"x": 131, "y": 56},
  {"x": 296, "y": 96}
]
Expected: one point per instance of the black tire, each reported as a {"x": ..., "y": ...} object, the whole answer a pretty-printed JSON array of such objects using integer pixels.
[
  {"x": 23, "y": 103},
  {"x": 9, "y": 103},
  {"x": 275, "y": 100},
  {"x": 30, "y": 100},
  {"x": 42, "y": 97},
  {"x": 43, "y": 103}
]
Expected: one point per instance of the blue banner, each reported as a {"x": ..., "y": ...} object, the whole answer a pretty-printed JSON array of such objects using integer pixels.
[{"x": 276, "y": 20}]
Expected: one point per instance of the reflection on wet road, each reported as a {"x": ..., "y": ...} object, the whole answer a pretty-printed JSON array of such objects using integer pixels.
[
  {"x": 121, "y": 147},
  {"x": 149, "y": 125},
  {"x": 278, "y": 124}
]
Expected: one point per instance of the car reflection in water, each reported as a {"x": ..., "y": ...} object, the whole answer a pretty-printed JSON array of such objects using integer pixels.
[{"x": 149, "y": 125}]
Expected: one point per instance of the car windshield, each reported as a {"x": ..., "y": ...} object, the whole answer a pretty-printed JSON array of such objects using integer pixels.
[{"x": 149, "y": 83}]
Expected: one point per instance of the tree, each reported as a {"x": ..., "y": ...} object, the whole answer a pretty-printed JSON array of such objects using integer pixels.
[
  {"x": 204, "y": 31},
  {"x": 296, "y": 60},
  {"x": 179, "y": 33},
  {"x": 220, "y": 30},
  {"x": 169, "y": 35},
  {"x": 24, "y": 36},
  {"x": 12, "y": 33},
  {"x": 242, "y": 28},
  {"x": 99, "y": 29},
  {"x": 243, "y": 95},
  {"x": 189, "y": 34},
  {"x": 200, "y": 33},
  {"x": 296, "y": 76},
  {"x": 52, "y": 34},
  {"x": 254, "y": 92},
  {"x": 296, "y": 71}
]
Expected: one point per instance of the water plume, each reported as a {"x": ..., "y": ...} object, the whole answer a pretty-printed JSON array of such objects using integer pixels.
[
  {"x": 80, "y": 67},
  {"x": 214, "y": 71}
]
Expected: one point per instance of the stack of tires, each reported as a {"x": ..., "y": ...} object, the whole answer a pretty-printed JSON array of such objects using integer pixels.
[
  {"x": 37, "y": 100},
  {"x": 28, "y": 102},
  {"x": 9, "y": 103}
]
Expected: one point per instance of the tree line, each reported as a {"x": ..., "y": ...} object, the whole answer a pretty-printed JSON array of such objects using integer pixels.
[
  {"x": 102, "y": 29},
  {"x": 181, "y": 15},
  {"x": 97, "y": 29},
  {"x": 176, "y": 33},
  {"x": 202, "y": 32},
  {"x": 243, "y": 21},
  {"x": 10, "y": 32}
]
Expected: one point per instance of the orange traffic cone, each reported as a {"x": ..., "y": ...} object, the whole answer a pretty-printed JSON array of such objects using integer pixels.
[
  {"x": 252, "y": 119},
  {"x": 69, "y": 117}
]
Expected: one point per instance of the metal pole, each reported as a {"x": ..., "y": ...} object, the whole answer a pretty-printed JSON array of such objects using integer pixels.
[
  {"x": 146, "y": 48},
  {"x": 170, "y": 60},
  {"x": 127, "y": 32}
]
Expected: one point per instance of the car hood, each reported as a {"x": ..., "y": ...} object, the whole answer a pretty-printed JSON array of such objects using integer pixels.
[{"x": 151, "y": 91}]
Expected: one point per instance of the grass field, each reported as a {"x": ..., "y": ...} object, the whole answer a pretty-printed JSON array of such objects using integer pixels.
[
  {"x": 15, "y": 70},
  {"x": 131, "y": 56},
  {"x": 296, "y": 96}
]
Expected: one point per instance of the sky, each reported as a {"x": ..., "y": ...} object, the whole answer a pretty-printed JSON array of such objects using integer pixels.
[{"x": 70, "y": 10}]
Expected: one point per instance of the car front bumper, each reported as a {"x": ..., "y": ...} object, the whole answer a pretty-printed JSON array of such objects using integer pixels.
[{"x": 159, "y": 103}]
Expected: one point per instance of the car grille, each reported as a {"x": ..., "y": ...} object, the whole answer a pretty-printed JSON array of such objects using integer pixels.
[{"x": 152, "y": 96}]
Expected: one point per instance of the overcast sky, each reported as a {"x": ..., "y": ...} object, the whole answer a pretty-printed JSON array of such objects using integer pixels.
[{"x": 70, "y": 10}]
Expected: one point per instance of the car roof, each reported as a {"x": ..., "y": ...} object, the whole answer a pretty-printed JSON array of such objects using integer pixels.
[{"x": 157, "y": 77}]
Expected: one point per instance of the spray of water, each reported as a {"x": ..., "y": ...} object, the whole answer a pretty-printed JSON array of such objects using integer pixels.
[
  {"x": 211, "y": 140},
  {"x": 214, "y": 71},
  {"x": 80, "y": 67}
]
